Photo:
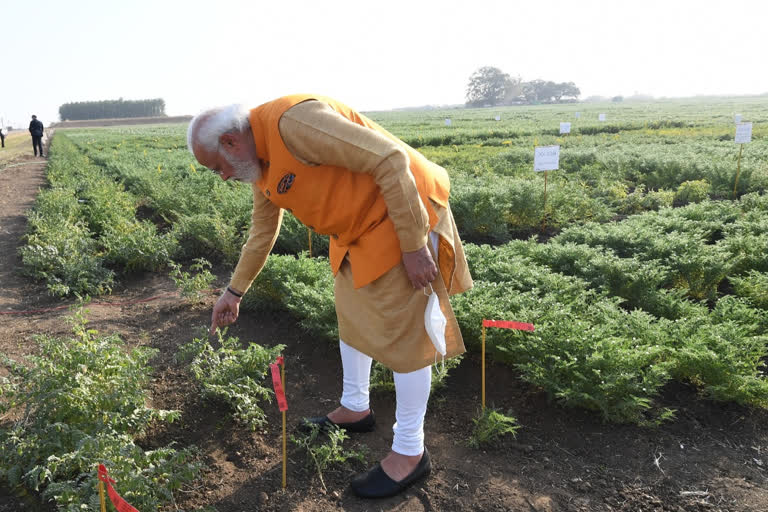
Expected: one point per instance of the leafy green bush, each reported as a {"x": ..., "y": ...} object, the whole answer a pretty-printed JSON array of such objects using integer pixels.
[
  {"x": 724, "y": 353},
  {"x": 294, "y": 238},
  {"x": 322, "y": 455},
  {"x": 301, "y": 285},
  {"x": 83, "y": 402},
  {"x": 490, "y": 427},
  {"x": 753, "y": 286},
  {"x": 694, "y": 191},
  {"x": 65, "y": 257},
  {"x": 233, "y": 375},
  {"x": 192, "y": 283}
]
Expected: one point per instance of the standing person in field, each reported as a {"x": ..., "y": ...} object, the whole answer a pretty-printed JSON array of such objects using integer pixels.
[
  {"x": 36, "y": 130},
  {"x": 2, "y": 138},
  {"x": 393, "y": 242}
]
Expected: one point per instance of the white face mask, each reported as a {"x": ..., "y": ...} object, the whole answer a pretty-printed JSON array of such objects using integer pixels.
[{"x": 435, "y": 322}]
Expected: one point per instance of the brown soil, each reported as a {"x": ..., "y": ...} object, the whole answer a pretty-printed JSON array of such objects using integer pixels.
[{"x": 713, "y": 457}]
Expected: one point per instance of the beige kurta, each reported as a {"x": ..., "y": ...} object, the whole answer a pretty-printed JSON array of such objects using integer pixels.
[{"x": 384, "y": 319}]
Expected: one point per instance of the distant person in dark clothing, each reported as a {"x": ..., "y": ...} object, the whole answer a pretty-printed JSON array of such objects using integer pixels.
[
  {"x": 2, "y": 138},
  {"x": 36, "y": 129}
]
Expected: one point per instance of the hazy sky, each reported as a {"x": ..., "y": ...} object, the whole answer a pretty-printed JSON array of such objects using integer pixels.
[{"x": 370, "y": 54}]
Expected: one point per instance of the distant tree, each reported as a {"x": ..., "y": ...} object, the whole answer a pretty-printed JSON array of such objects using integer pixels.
[
  {"x": 617, "y": 99},
  {"x": 106, "y": 109},
  {"x": 540, "y": 91},
  {"x": 533, "y": 90},
  {"x": 569, "y": 90},
  {"x": 488, "y": 86}
]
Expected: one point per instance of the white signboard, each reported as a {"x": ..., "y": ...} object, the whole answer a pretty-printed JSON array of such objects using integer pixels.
[
  {"x": 546, "y": 158},
  {"x": 601, "y": 117},
  {"x": 498, "y": 118},
  {"x": 447, "y": 122},
  {"x": 743, "y": 133},
  {"x": 565, "y": 128},
  {"x": 578, "y": 115},
  {"x": 737, "y": 118}
]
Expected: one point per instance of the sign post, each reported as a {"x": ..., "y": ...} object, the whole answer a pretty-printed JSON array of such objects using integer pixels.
[
  {"x": 278, "y": 382},
  {"x": 546, "y": 158},
  {"x": 743, "y": 136},
  {"x": 102, "y": 501}
]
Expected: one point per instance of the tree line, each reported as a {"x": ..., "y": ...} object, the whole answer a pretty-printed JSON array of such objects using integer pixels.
[
  {"x": 108, "y": 109},
  {"x": 490, "y": 86}
]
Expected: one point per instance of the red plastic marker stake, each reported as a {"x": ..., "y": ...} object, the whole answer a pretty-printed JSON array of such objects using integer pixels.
[
  {"x": 278, "y": 382},
  {"x": 120, "y": 504},
  {"x": 502, "y": 324}
]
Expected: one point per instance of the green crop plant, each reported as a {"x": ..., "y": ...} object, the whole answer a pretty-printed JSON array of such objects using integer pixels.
[
  {"x": 195, "y": 281},
  {"x": 490, "y": 427},
  {"x": 753, "y": 286},
  {"x": 325, "y": 448},
  {"x": 648, "y": 270},
  {"x": 233, "y": 375},
  {"x": 80, "y": 401}
]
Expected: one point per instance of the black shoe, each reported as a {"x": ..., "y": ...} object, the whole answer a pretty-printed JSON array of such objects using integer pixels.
[
  {"x": 366, "y": 424},
  {"x": 377, "y": 484}
]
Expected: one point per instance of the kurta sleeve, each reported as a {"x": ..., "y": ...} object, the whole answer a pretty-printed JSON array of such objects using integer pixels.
[
  {"x": 265, "y": 226},
  {"x": 317, "y": 134}
]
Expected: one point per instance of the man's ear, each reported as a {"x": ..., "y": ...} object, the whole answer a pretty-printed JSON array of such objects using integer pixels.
[{"x": 228, "y": 140}]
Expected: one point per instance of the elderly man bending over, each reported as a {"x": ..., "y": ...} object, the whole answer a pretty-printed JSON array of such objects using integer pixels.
[{"x": 393, "y": 242}]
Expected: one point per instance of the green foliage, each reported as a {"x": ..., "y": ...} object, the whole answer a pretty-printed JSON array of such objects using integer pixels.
[
  {"x": 81, "y": 402},
  {"x": 692, "y": 191},
  {"x": 724, "y": 353},
  {"x": 322, "y": 455},
  {"x": 754, "y": 287},
  {"x": 588, "y": 352},
  {"x": 300, "y": 285},
  {"x": 194, "y": 282},
  {"x": 294, "y": 238},
  {"x": 490, "y": 426},
  {"x": 631, "y": 293},
  {"x": 233, "y": 375}
]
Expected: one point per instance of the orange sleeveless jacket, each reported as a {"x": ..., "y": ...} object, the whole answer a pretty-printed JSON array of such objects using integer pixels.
[{"x": 346, "y": 205}]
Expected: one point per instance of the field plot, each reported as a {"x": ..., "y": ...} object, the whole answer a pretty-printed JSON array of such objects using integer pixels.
[{"x": 643, "y": 265}]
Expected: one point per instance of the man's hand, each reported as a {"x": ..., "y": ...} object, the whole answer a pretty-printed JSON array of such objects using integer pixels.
[
  {"x": 225, "y": 311},
  {"x": 420, "y": 267}
]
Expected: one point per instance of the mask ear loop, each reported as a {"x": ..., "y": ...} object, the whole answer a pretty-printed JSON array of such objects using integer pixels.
[{"x": 431, "y": 291}]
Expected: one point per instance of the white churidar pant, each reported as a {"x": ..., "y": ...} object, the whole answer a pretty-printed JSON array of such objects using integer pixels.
[{"x": 412, "y": 391}]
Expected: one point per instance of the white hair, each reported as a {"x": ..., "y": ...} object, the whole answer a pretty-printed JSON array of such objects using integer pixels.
[{"x": 215, "y": 122}]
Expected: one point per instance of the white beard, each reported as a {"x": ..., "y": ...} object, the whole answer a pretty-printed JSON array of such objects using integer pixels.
[{"x": 246, "y": 171}]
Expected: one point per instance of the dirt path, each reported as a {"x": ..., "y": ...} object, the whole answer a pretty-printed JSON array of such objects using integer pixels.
[
  {"x": 20, "y": 180},
  {"x": 712, "y": 458}
]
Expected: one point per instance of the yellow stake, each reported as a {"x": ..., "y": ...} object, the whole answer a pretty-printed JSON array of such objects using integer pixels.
[
  {"x": 482, "y": 357},
  {"x": 738, "y": 170},
  {"x": 309, "y": 234},
  {"x": 101, "y": 496},
  {"x": 545, "y": 202},
  {"x": 285, "y": 456}
]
